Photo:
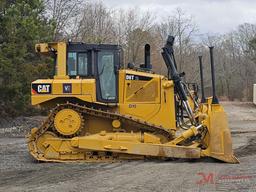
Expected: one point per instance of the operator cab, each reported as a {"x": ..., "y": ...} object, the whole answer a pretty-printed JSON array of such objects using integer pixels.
[{"x": 96, "y": 61}]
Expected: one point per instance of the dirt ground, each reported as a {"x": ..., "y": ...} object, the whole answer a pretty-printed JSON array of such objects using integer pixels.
[{"x": 19, "y": 172}]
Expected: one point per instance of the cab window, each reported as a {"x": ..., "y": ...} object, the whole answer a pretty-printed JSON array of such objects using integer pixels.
[
  {"x": 77, "y": 64},
  {"x": 72, "y": 62},
  {"x": 82, "y": 64}
]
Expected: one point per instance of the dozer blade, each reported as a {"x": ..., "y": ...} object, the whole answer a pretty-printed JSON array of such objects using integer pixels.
[{"x": 219, "y": 138}]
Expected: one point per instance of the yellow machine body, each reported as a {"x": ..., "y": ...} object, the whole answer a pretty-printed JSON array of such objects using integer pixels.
[
  {"x": 152, "y": 103},
  {"x": 140, "y": 121}
]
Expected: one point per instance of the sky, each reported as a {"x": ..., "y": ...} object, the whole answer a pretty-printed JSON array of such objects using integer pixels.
[{"x": 211, "y": 16}]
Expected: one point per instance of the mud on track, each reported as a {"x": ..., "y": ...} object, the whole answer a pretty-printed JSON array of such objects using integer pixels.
[{"x": 19, "y": 172}]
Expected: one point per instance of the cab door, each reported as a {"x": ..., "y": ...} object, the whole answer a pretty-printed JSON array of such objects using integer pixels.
[{"x": 106, "y": 78}]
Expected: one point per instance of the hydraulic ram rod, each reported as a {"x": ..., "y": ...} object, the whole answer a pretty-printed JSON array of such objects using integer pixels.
[{"x": 174, "y": 75}]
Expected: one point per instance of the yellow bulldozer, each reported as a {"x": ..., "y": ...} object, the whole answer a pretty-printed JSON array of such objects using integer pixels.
[{"x": 104, "y": 112}]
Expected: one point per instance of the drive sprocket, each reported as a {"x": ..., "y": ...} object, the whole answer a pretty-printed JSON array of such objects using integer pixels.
[{"x": 68, "y": 122}]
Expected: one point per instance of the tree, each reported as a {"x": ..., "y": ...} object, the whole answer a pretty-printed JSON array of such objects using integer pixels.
[
  {"x": 245, "y": 34},
  {"x": 96, "y": 24},
  {"x": 22, "y": 24},
  {"x": 252, "y": 48},
  {"x": 64, "y": 14},
  {"x": 182, "y": 26}
]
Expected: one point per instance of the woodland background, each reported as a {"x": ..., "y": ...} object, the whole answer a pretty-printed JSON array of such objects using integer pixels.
[{"x": 26, "y": 22}]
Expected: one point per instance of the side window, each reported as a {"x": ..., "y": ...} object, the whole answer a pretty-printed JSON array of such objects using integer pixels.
[
  {"x": 77, "y": 64},
  {"x": 107, "y": 76},
  {"x": 72, "y": 64},
  {"x": 82, "y": 64}
]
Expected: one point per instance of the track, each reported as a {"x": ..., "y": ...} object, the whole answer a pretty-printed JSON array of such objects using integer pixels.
[{"x": 131, "y": 122}]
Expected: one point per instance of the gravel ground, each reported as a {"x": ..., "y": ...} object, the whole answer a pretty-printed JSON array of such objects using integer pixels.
[{"x": 19, "y": 172}]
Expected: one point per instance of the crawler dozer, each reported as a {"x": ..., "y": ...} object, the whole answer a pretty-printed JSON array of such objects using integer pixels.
[{"x": 101, "y": 111}]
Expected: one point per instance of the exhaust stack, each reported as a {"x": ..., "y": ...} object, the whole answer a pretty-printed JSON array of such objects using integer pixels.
[
  {"x": 214, "y": 96},
  {"x": 147, "y": 64},
  {"x": 203, "y": 100}
]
